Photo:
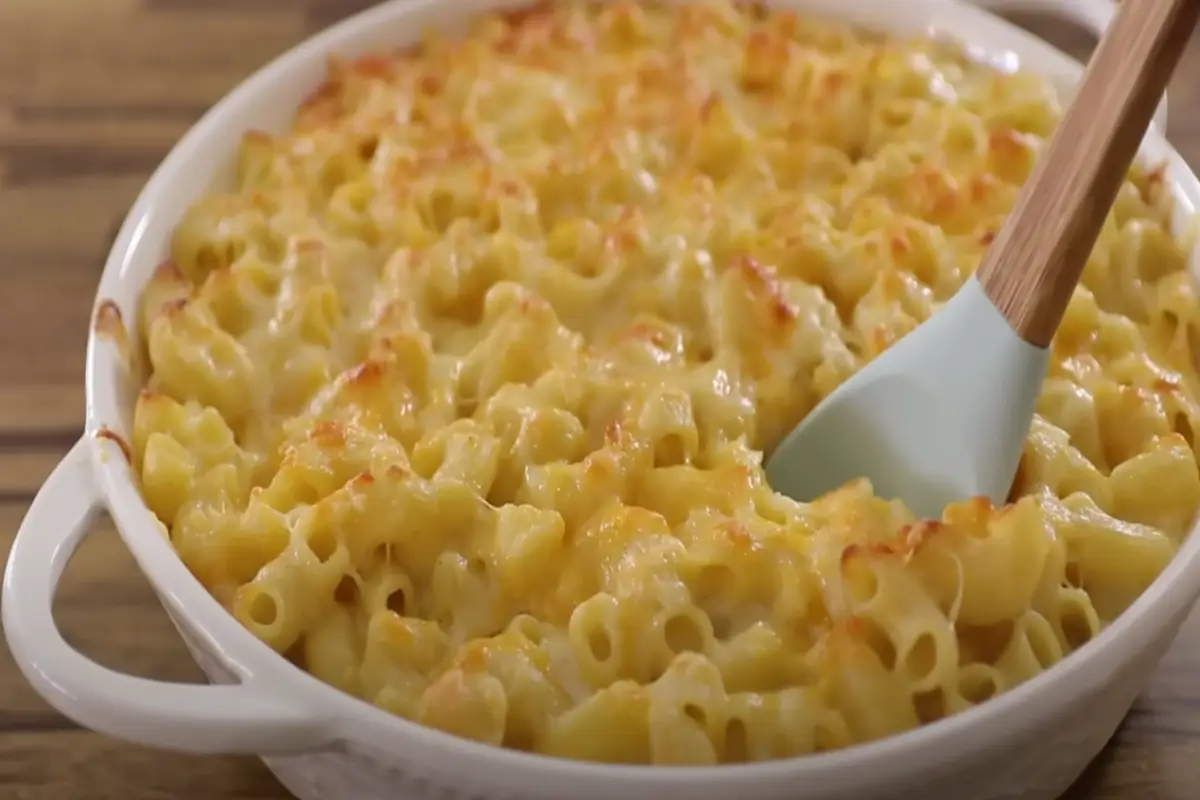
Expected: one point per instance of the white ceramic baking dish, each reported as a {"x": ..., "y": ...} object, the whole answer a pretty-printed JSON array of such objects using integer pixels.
[{"x": 1029, "y": 743}]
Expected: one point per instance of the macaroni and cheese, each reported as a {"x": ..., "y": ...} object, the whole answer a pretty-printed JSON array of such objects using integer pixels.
[{"x": 458, "y": 397}]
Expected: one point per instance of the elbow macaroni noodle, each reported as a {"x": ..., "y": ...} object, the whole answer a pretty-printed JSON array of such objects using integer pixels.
[{"x": 458, "y": 398}]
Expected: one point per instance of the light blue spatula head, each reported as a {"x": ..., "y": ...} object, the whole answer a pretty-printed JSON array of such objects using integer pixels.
[{"x": 941, "y": 416}]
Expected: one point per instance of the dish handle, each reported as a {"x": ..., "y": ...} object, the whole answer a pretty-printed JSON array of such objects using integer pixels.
[
  {"x": 250, "y": 717},
  {"x": 1093, "y": 16}
]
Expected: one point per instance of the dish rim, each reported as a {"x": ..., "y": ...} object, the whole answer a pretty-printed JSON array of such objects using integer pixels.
[{"x": 123, "y": 280}]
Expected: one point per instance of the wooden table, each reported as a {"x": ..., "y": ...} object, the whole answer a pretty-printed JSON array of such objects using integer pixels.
[{"x": 92, "y": 95}]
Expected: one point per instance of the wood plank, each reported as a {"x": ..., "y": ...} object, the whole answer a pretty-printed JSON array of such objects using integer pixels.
[
  {"x": 77, "y": 765},
  {"x": 42, "y": 411},
  {"x": 23, "y": 472},
  {"x": 48, "y": 299},
  {"x": 64, "y": 224},
  {"x": 134, "y": 54},
  {"x": 1133, "y": 769}
]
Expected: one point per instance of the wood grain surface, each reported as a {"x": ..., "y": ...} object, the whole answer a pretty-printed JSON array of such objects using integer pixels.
[{"x": 92, "y": 95}]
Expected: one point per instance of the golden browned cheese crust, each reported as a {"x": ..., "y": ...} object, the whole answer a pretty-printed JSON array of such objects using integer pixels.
[{"x": 458, "y": 396}]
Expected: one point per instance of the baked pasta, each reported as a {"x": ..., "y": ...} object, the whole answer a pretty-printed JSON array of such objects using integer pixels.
[{"x": 458, "y": 398}]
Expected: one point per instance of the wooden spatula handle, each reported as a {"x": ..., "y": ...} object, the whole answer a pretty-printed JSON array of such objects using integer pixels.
[{"x": 1036, "y": 260}]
